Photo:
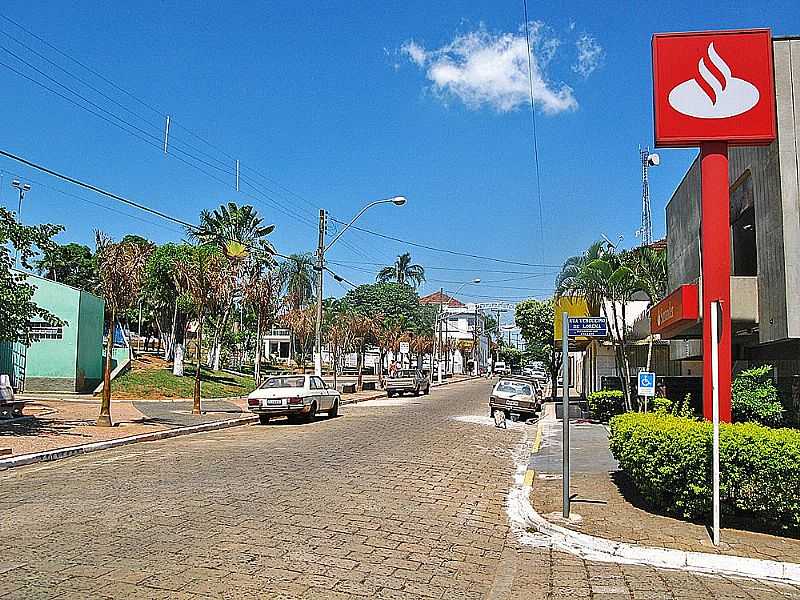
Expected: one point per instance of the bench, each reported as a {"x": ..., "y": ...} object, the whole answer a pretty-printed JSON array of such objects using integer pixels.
[{"x": 348, "y": 388}]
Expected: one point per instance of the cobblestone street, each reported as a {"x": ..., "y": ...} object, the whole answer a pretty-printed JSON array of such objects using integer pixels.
[{"x": 395, "y": 499}]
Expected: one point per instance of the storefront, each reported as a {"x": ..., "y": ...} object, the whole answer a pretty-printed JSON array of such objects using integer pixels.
[{"x": 765, "y": 250}]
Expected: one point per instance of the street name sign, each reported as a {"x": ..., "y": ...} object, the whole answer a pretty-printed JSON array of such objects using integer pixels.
[
  {"x": 588, "y": 327},
  {"x": 647, "y": 384}
]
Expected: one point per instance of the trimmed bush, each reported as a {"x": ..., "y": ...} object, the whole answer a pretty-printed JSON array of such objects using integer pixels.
[
  {"x": 605, "y": 404},
  {"x": 755, "y": 398},
  {"x": 668, "y": 459},
  {"x": 662, "y": 405}
]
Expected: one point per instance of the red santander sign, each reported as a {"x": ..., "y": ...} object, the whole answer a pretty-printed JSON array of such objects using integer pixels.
[{"x": 713, "y": 86}]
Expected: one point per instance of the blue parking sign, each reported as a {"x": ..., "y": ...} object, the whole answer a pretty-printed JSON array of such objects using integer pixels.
[{"x": 647, "y": 383}]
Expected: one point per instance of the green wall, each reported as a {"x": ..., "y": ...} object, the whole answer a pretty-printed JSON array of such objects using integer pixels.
[
  {"x": 90, "y": 341},
  {"x": 74, "y": 362}
]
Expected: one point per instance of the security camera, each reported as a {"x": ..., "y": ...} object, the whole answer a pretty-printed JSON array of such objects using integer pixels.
[{"x": 653, "y": 160}]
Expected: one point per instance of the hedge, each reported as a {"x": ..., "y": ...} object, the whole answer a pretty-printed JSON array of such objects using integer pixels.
[
  {"x": 668, "y": 459},
  {"x": 605, "y": 404}
]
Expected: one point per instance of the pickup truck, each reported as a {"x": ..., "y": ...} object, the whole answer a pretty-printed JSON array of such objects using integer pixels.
[{"x": 408, "y": 380}]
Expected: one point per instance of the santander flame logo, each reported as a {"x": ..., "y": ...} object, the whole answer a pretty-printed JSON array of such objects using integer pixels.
[{"x": 716, "y": 93}]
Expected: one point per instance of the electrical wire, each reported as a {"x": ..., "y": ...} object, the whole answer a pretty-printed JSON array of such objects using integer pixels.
[
  {"x": 444, "y": 250},
  {"x": 533, "y": 132}
]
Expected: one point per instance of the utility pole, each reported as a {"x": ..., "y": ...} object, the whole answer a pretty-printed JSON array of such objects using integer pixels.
[
  {"x": 319, "y": 268},
  {"x": 475, "y": 347},
  {"x": 439, "y": 335}
]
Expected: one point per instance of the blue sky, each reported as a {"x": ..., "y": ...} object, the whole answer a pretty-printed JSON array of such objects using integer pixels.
[{"x": 342, "y": 103}]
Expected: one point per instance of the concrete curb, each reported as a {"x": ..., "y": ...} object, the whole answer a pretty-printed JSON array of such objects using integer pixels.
[
  {"x": 59, "y": 453},
  {"x": 524, "y": 518}
]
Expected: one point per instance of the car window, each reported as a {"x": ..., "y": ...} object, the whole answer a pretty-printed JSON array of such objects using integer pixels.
[
  {"x": 284, "y": 382},
  {"x": 514, "y": 387},
  {"x": 317, "y": 384}
]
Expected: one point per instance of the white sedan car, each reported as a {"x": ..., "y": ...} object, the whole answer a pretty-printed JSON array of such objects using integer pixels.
[{"x": 299, "y": 397}]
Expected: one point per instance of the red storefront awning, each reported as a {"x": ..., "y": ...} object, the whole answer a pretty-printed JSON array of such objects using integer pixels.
[{"x": 676, "y": 312}]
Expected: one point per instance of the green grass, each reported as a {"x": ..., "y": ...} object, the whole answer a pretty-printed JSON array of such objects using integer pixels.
[{"x": 147, "y": 384}]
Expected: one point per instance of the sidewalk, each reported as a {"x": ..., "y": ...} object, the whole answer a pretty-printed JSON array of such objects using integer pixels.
[{"x": 609, "y": 508}]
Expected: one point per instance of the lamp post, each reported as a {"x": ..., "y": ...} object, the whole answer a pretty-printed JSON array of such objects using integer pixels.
[
  {"x": 22, "y": 188},
  {"x": 320, "y": 267}
]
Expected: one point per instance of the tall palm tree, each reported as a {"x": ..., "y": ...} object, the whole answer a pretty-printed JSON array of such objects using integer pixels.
[
  {"x": 403, "y": 272},
  {"x": 651, "y": 271},
  {"x": 238, "y": 230},
  {"x": 121, "y": 270},
  {"x": 299, "y": 279},
  {"x": 242, "y": 235},
  {"x": 607, "y": 280}
]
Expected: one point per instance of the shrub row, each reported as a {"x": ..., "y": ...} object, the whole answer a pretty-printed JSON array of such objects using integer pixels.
[{"x": 668, "y": 459}]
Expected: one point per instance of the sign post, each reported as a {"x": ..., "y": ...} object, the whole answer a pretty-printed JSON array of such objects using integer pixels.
[
  {"x": 713, "y": 89},
  {"x": 714, "y": 318},
  {"x": 565, "y": 413}
]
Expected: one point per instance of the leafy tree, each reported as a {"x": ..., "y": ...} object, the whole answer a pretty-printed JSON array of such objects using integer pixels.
[
  {"x": 17, "y": 309},
  {"x": 303, "y": 324},
  {"x": 535, "y": 319},
  {"x": 121, "y": 268},
  {"x": 650, "y": 269},
  {"x": 403, "y": 272},
  {"x": 512, "y": 356},
  {"x": 163, "y": 293},
  {"x": 392, "y": 301},
  {"x": 71, "y": 264},
  {"x": 755, "y": 397}
]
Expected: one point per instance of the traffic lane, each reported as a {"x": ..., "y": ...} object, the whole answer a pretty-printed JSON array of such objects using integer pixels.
[{"x": 386, "y": 498}]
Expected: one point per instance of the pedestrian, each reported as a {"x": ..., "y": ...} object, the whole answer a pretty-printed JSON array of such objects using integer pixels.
[{"x": 393, "y": 369}]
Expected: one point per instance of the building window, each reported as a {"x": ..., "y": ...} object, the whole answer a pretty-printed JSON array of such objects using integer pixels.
[
  {"x": 744, "y": 254},
  {"x": 44, "y": 331}
]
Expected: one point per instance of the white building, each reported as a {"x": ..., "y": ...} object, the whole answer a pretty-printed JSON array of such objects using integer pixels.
[{"x": 463, "y": 325}]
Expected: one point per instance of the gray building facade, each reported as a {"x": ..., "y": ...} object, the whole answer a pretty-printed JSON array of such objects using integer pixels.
[{"x": 765, "y": 240}]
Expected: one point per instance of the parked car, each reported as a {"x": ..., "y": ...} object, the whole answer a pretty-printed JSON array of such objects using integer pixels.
[
  {"x": 515, "y": 396},
  {"x": 299, "y": 397},
  {"x": 9, "y": 406},
  {"x": 413, "y": 381},
  {"x": 500, "y": 368}
]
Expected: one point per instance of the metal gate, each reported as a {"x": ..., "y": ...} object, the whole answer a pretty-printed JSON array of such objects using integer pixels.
[{"x": 13, "y": 358}]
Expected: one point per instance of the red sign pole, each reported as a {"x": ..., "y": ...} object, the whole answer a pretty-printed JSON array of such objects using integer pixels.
[{"x": 716, "y": 269}]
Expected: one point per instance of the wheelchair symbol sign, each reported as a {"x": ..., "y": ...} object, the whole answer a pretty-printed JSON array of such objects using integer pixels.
[{"x": 647, "y": 384}]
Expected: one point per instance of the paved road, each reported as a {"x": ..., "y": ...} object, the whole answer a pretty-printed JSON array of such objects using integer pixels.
[{"x": 395, "y": 499}]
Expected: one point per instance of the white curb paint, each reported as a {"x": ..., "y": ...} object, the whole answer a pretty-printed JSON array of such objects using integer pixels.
[
  {"x": 59, "y": 453},
  {"x": 523, "y": 517}
]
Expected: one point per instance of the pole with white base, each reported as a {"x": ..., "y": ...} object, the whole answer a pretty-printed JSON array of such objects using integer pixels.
[
  {"x": 565, "y": 412},
  {"x": 714, "y": 314}
]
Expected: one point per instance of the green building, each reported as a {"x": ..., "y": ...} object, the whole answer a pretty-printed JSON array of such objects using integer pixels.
[{"x": 64, "y": 359}]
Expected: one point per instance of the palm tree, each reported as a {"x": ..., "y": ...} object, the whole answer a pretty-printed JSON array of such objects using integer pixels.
[
  {"x": 242, "y": 235},
  {"x": 238, "y": 230},
  {"x": 121, "y": 270},
  {"x": 403, "y": 272},
  {"x": 299, "y": 279},
  {"x": 362, "y": 328},
  {"x": 262, "y": 293},
  {"x": 651, "y": 272},
  {"x": 607, "y": 280},
  {"x": 202, "y": 274},
  {"x": 302, "y": 322}
]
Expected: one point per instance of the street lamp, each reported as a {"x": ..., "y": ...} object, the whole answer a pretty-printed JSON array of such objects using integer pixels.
[
  {"x": 440, "y": 318},
  {"x": 22, "y": 188},
  {"x": 321, "y": 250}
]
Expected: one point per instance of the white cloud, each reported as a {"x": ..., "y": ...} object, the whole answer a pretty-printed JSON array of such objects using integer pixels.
[
  {"x": 485, "y": 69},
  {"x": 590, "y": 56}
]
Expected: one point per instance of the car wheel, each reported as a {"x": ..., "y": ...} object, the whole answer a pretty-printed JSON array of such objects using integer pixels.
[
  {"x": 263, "y": 419},
  {"x": 311, "y": 413},
  {"x": 416, "y": 392},
  {"x": 334, "y": 411}
]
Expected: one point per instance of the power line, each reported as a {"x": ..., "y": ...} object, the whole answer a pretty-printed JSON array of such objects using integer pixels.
[
  {"x": 134, "y": 204},
  {"x": 465, "y": 269},
  {"x": 533, "y": 131},
  {"x": 444, "y": 250}
]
